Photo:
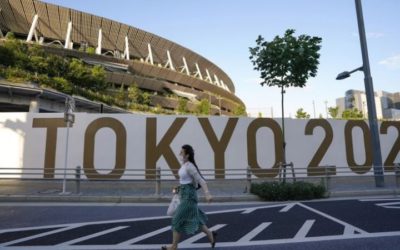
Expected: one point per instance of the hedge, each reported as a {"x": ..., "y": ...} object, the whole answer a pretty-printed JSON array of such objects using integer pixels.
[{"x": 282, "y": 191}]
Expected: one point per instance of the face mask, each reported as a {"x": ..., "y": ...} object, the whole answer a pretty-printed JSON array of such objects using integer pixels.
[{"x": 181, "y": 158}]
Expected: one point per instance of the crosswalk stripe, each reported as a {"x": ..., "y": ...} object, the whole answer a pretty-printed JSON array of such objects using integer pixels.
[
  {"x": 287, "y": 208},
  {"x": 36, "y": 236},
  {"x": 252, "y": 209},
  {"x": 304, "y": 229},
  {"x": 201, "y": 235},
  {"x": 67, "y": 243},
  {"x": 253, "y": 233},
  {"x": 145, "y": 236},
  {"x": 345, "y": 224}
]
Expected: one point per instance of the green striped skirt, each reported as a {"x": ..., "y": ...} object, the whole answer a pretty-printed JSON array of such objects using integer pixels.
[{"x": 188, "y": 218}]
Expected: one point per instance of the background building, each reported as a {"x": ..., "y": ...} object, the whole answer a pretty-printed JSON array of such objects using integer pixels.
[
  {"x": 387, "y": 104},
  {"x": 167, "y": 71}
]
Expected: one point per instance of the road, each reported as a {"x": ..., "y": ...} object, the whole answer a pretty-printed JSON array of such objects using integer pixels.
[{"x": 331, "y": 224}]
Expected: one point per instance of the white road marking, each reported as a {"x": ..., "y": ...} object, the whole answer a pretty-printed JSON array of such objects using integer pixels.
[
  {"x": 131, "y": 220},
  {"x": 144, "y": 236},
  {"x": 391, "y": 205},
  {"x": 220, "y": 244},
  {"x": 67, "y": 243},
  {"x": 304, "y": 229},
  {"x": 252, "y": 209},
  {"x": 201, "y": 235},
  {"x": 287, "y": 208},
  {"x": 346, "y": 225},
  {"x": 253, "y": 233},
  {"x": 36, "y": 236},
  {"x": 349, "y": 233}
]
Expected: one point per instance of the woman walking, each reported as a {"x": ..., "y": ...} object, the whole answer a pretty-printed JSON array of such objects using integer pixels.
[{"x": 188, "y": 218}]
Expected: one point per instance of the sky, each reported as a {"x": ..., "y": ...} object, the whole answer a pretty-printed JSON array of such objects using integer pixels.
[{"x": 223, "y": 30}]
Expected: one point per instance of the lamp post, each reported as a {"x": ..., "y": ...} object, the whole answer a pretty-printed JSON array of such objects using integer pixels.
[
  {"x": 69, "y": 118},
  {"x": 369, "y": 92}
]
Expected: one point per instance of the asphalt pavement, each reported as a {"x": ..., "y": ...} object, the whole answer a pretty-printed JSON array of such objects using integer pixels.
[{"x": 356, "y": 223}]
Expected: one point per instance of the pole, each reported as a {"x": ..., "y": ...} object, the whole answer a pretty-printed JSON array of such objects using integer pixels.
[
  {"x": 66, "y": 162},
  {"x": 283, "y": 133},
  {"x": 369, "y": 92},
  {"x": 69, "y": 119}
]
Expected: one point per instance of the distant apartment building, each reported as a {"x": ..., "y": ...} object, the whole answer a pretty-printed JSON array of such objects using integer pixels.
[{"x": 387, "y": 104}]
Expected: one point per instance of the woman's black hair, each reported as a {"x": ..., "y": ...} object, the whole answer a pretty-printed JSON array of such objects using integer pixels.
[{"x": 190, "y": 151}]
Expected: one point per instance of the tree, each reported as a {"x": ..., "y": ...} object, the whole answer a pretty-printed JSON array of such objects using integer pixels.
[
  {"x": 146, "y": 98},
  {"x": 240, "y": 110},
  {"x": 203, "y": 107},
  {"x": 182, "y": 106},
  {"x": 134, "y": 94},
  {"x": 333, "y": 112},
  {"x": 352, "y": 114},
  {"x": 300, "y": 114},
  {"x": 93, "y": 78},
  {"x": 286, "y": 61}
]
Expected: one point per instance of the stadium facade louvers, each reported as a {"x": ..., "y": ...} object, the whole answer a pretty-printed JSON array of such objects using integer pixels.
[{"x": 130, "y": 55}]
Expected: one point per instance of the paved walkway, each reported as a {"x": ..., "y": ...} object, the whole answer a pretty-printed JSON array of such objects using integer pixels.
[{"x": 145, "y": 191}]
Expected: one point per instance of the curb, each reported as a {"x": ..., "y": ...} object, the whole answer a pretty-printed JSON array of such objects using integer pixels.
[{"x": 370, "y": 192}]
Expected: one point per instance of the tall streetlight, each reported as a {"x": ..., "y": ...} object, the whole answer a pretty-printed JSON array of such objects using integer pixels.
[
  {"x": 369, "y": 92},
  {"x": 69, "y": 119}
]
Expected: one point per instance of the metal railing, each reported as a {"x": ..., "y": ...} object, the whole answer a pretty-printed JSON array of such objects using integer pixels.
[{"x": 321, "y": 174}]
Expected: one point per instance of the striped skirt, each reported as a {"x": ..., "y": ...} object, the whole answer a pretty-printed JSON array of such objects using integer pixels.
[{"x": 188, "y": 218}]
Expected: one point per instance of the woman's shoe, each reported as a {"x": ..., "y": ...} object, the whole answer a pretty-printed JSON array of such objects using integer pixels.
[{"x": 214, "y": 234}]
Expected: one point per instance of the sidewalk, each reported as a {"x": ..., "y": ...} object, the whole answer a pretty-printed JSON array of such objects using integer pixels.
[{"x": 145, "y": 191}]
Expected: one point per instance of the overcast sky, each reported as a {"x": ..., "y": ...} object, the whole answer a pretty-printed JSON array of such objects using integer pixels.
[{"x": 223, "y": 30}]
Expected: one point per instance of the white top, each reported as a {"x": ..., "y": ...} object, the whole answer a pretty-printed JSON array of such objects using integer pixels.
[{"x": 189, "y": 174}]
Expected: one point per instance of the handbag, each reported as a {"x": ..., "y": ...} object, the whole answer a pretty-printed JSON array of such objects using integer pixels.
[{"x": 173, "y": 205}]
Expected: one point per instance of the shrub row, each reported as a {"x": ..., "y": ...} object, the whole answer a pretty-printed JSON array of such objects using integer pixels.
[{"x": 282, "y": 191}]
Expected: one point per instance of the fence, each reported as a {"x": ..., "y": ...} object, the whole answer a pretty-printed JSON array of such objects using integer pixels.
[{"x": 321, "y": 174}]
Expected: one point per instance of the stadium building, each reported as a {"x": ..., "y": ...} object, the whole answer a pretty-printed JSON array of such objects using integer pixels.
[{"x": 129, "y": 55}]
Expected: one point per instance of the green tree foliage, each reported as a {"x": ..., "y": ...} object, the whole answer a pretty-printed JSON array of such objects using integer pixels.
[
  {"x": 93, "y": 78},
  {"x": 240, "y": 110},
  {"x": 301, "y": 114},
  {"x": 286, "y": 61},
  {"x": 15, "y": 52},
  {"x": 91, "y": 50},
  {"x": 146, "y": 98},
  {"x": 122, "y": 96},
  {"x": 63, "y": 85},
  {"x": 58, "y": 66},
  {"x": 333, "y": 112},
  {"x": 352, "y": 114},
  {"x": 182, "y": 106},
  {"x": 203, "y": 107},
  {"x": 134, "y": 94}
]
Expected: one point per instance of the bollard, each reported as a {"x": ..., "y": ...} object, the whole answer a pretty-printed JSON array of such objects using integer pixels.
[
  {"x": 248, "y": 178},
  {"x": 397, "y": 174},
  {"x": 158, "y": 181},
  {"x": 78, "y": 179}
]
